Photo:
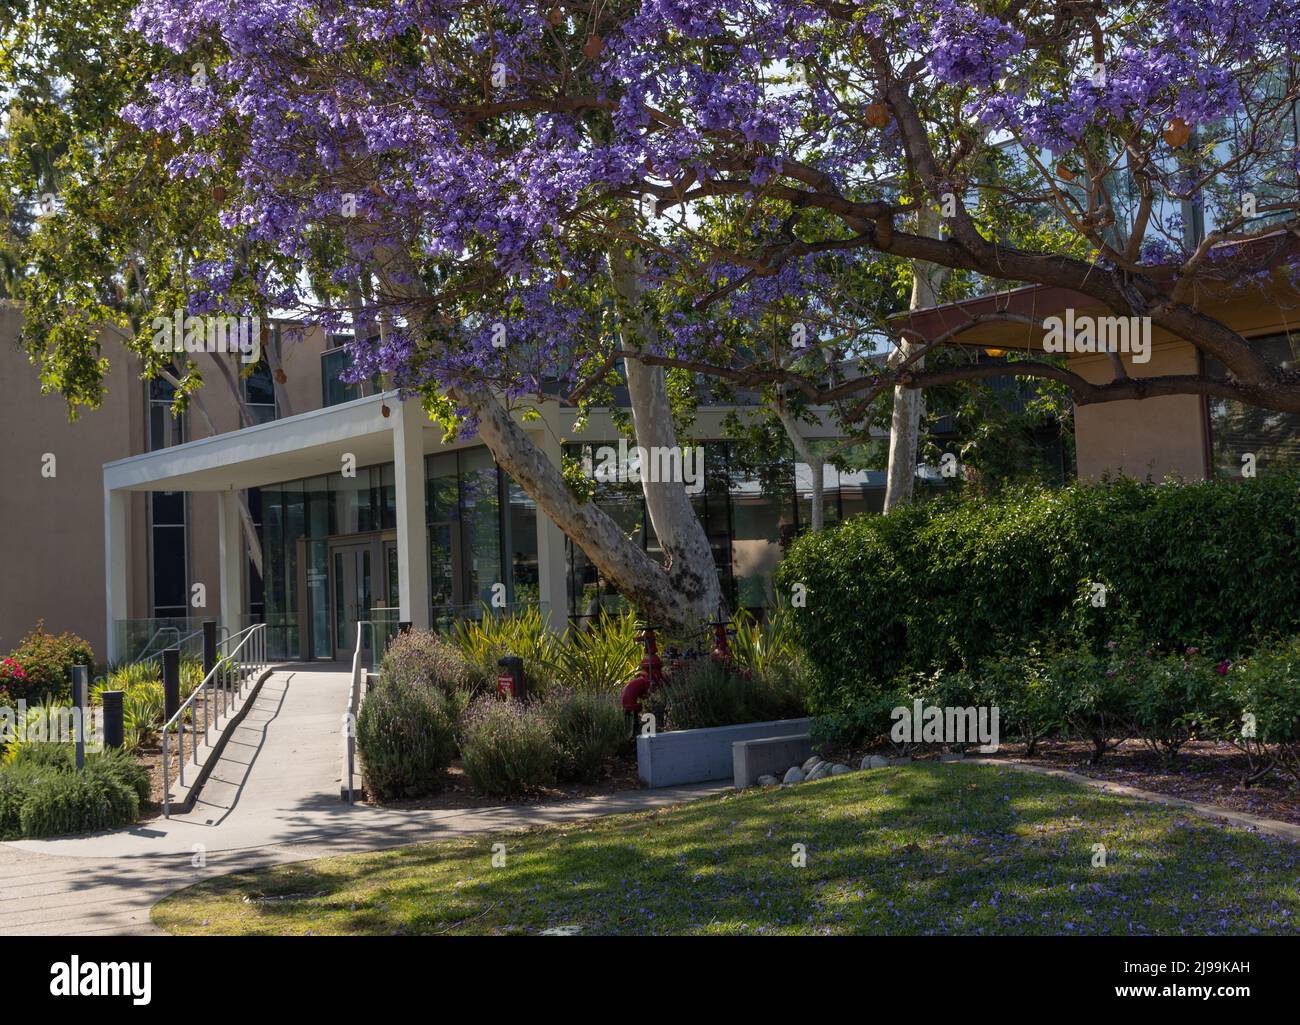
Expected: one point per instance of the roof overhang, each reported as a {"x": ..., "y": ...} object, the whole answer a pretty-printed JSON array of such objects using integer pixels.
[{"x": 299, "y": 446}]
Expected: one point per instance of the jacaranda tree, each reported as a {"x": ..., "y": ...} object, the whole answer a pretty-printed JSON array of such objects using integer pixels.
[{"x": 520, "y": 196}]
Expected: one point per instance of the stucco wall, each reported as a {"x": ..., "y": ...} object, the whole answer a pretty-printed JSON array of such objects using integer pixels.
[
  {"x": 52, "y": 528},
  {"x": 1160, "y": 437}
]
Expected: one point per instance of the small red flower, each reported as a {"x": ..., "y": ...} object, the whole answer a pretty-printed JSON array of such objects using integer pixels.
[{"x": 1223, "y": 667}]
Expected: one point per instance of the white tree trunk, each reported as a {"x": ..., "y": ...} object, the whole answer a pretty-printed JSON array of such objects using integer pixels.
[
  {"x": 691, "y": 570},
  {"x": 634, "y": 573},
  {"x": 909, "y": 403},
  {"x": 816, "y": 464}
]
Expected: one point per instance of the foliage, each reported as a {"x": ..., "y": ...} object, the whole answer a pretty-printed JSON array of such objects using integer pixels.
[
  {"x": 1018, "y": 686},
  {"x": 508, "y": 749},
  {"x": 422, "y": 657},
  {"x": 523, "y": 633},
  {"x": 952, "y": 583},
  {"x": 406, "y": 736},
  {"x": 43, "y": 794},
  {"x": 47, "y": 661},
  {"x": 589, "y": 728},
  {"x": 143, "y": 708},
  {"x": 767, "y": 646},
  {"x": 1265, "y": 722},
  {"x": 705, "y": 693},
  {"x": 1171, "y": 697},
  {"x": 600, "y": 657}
]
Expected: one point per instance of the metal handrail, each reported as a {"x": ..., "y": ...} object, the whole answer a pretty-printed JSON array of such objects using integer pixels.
[
  {"x": 354, "y": 703},
  {"x": 143, "y": 656},
  {"x": 227, "y": 679}
]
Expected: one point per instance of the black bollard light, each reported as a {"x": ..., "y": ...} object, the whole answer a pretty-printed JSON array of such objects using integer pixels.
[
  {"x": 114, "y": 718},
  {"x": 209, "y": 646},
  {"x": 171, "y": 673}
]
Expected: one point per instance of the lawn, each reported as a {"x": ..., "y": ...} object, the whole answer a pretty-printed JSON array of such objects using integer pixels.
[{"x": 913, "y": 849}]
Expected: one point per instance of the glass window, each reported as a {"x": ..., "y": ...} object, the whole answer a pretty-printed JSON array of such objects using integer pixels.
[
  {"x": 259, "y": 393},
  {"x": 442, "y": 507},
  {"x": 480, "y": 524},
  {"x": 333, "y": 364},
  {"x": 521, "y": 543},
  {"x": 1238, "y": 429},
  {"x": 164, "y": 429},
  {"x": 763, "y": 523}
]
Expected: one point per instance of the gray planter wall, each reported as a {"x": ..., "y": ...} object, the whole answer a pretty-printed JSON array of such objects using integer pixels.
[{"x": 694, "y": 756}]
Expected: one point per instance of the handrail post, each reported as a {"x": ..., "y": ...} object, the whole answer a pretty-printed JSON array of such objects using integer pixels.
[{"x": 166, "y": 783}]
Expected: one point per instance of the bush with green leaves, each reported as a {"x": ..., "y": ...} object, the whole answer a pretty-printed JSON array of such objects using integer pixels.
[
  {"x": 589, "y": 728},
  {"x": 507, "y": 747},
  {"x": 1265, "y": 717},
  {"x": 406, "y": 737},
  {"x": 1019, "y": 687},
  {"x": 705, "y": 693},
  {"x": 47, "y": 660},
  {"x": 422, "y": 657},
  {"x": 42, "y": 793},
  {"x": 600, "y": 656},
  {"x": 1170, "y": 697},
  {"x": 953, "y": 583}
]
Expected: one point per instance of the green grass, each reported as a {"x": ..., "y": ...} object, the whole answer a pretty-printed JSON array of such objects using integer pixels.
[{"x": 906, "y": 850}]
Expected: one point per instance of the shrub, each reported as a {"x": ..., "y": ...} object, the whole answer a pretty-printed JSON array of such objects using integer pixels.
[
  {"x": 60, "y": 803},
  {"x": 1171, "y": 697},
  {"x": 768, "y": 647},
  {"x": 1091, "y": 700},
  {"x": 16, "y": 782},
  {"x": 406, "y": 738},
  {"x": 47, "y": 662},
  {"x": 1265, "y": 721},
  {"x": 143, "y": 707},
  {"x": 422, "y": 657},
  {"x": 12, "y": 676},
  {"x": 43, "y": 794},
  {"x": 953, "y": 583},
  {"x": 588, "y": 728},
  {"x": 525, "y": 634},
  {"x": 704, "y": 693},
  {"x": 1018, "y": 686},
  {"x": 507, "y": 749},
  {"x": 601, "y": 657}
]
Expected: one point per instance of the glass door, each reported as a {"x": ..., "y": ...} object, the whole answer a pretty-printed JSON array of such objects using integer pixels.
[{"x": 352, "y": 596}]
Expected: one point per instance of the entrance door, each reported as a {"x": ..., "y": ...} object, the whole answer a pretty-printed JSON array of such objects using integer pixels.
[{"x": 352, "y": 597}]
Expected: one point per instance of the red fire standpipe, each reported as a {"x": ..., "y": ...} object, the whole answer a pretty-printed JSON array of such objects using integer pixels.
[
  {"x": 721, "y": 649},
  {"x": 650, "y": 673}
]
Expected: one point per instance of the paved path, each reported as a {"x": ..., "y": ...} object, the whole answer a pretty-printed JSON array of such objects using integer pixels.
[{"x": 272, "y": 798}]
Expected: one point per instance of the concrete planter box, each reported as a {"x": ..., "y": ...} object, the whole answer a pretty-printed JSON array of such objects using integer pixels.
[{"x": 695, "y": 756}]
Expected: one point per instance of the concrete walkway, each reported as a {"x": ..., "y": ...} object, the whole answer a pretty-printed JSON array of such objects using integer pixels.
[{"x": 272, "y": 798}]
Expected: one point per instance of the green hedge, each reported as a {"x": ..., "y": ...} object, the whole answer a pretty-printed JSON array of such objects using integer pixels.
[{"x": 950, "y": 583}]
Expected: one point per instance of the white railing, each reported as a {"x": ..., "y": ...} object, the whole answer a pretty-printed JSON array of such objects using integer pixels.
[
  {"x": 354, "y": 704},
  {"x": 222, "y": 686}
]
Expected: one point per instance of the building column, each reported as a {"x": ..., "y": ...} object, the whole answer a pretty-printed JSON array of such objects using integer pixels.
[
  {"x": 412, "y": 530},
  {"x": 117, "y": 509},
  {"x": 230, "y": 560},
  {"x": 552, "y": 566}
]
